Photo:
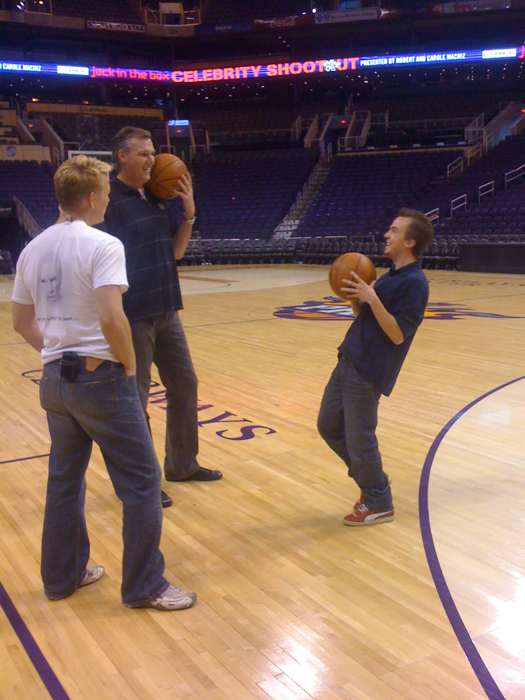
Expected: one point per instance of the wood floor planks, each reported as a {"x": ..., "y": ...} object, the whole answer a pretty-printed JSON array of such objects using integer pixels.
[{"x": 291, "y": 603}]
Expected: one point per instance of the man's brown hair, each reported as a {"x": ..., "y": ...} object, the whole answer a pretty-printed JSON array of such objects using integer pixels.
[
  {"x": 419, "y": 230},
  {"x": 76, "y": 178},
  {"x": 121, "y": 138}
]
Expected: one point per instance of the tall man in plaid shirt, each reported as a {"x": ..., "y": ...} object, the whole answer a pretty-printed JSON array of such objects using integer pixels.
[{"x": 155, "y": 235}]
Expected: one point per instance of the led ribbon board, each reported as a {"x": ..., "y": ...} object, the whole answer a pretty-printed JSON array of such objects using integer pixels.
[
  {"x": 429, "y": 59},
  {"x": 270, "y": 70},
  {"x": 207, "y": 75},
  {"x": 43, "y": 69}
]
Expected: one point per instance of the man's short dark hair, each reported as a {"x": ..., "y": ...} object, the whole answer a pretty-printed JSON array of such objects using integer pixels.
[
  {"x": 419, "y": 230},
  {"x": 121, "y": 138}
]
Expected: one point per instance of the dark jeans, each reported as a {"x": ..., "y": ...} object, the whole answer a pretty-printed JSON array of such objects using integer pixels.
[
  {"x": 162, "y": 340},
  {"x": 347, "y": 422},
  {"x": 102, "y": 406}
]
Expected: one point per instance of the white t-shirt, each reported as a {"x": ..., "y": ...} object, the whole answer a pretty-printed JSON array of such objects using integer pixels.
[{"x": 58, "y": 272}]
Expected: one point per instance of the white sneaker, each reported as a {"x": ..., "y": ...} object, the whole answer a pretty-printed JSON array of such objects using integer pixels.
[
  {"x": 172, "y": 598},
  {"x": 93, "y": 573}
]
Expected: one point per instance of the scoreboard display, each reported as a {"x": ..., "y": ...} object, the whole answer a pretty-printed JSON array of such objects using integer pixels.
[{"x": 343, "y": 64}]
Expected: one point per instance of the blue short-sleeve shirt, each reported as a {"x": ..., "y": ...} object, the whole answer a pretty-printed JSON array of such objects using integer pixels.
[{"x": 404, "y": 293}]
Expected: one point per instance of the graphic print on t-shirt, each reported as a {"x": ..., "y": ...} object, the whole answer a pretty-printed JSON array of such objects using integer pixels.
[{"x": 51, "y": 280}]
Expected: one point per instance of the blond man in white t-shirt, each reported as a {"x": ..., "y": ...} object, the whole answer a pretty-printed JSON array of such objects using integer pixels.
[{"x": 67, "y": 304}]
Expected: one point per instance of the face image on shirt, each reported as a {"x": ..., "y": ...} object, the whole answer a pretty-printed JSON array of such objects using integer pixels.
[{"x": 51, "y": 281}]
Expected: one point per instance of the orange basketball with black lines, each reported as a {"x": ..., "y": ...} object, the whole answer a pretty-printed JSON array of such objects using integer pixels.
[
  {"x": 165, "y": 176},
  {"x": 343, "y": 266}
]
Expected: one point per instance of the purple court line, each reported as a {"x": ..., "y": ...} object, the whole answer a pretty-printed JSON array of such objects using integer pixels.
[
  {"x": 44, "y": 670},
  {"x": 478, "y": 665},
  {"x": 23, "y": 459}
]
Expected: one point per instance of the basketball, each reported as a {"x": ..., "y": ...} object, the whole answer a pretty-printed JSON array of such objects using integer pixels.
[
  {"x": 165, "y": 176},
  {"x": 344, "y": 265}
]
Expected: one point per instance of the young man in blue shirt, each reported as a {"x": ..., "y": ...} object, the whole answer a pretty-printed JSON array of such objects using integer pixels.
[{"x": 369, "y": 360}]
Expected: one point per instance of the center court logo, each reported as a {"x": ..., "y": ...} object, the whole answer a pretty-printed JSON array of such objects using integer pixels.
[
  {"x": 232, "y": 426},
  {"x": 333, "y": 309}
]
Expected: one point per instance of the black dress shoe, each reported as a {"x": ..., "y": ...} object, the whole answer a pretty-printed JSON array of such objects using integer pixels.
[
  {"x": 165, "y": 499},
  {"x": 202, "y": 474}
]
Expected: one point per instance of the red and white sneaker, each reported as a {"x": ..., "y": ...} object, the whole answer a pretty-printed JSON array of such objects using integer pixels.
[{"x": 361, "y": 515}]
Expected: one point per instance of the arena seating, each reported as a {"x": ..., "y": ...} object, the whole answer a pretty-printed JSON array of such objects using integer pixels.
[
  {"x": 32, "y": 184},
  {"x": 6, "y": 262},
  {"x": 95, "y": 132},
  {"x": 251, "y": 119},
  {"x": 8, "y": 136},
  {"x": 251, "y": 125},
  {"x": 247, "y": 194},
  {"x": 258, "y": 115},
  {"x": 8, "y": 132},
  {"x": 243, "y": 196},
  {"x": 501, "y": 218},
  {"x": 506, "y": 156},
  {"x": 329, "y": 105},
  {"x": 236, "y": 11},
  {"x": 439, "y": 106},
  {"x": 362, "y": 192},
  {"x": 257, "y": 123},
  {"x": 430, "y": 120},
  {"x": 114, "y": 11}
]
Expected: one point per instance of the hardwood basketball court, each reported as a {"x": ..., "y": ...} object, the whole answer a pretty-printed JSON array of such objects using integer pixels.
[{"x": 292, "y": 604}]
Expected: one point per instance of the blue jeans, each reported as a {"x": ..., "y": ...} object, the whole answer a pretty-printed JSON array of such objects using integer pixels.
[
  {"x": 162, "y": 340},
  {"x": 101, "y": 406},
  {"x": 347, "y": 422}
]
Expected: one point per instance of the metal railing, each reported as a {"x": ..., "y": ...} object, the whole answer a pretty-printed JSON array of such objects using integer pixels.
[
  {"x": 366, "y": 128},
  {"x": 297, "y": 128},
  {"x": 455, "y": 167},
  {"x": 433, "y": 215},
  {"x": 498, "y": 128},
  {"x": 26, "y": 219},
  {"x": 312, "y": 132},
  {"x": 106, "y": 156},
  {"x": 489, "y": 135},
  {"x": 458, "y": 203},
  {"x": 475, "y": 130},
  {"x": 321, "y": 139},
  {"x": 195, "y": 147},
  {"x": 514, "y": 174},
  {"x": 476, "y": 151},
  {"x": 486, "y": 190},
  {"x": 348, "y": 133},
  {"x": 52, "y": 139},
  {"x": 23, "y": 131},
  {"x": 354, "y": 142}
]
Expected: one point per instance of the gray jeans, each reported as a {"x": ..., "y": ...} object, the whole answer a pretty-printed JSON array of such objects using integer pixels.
[
  {"x": 162, "y": 340},
  {"x": 347, "y": 422},
  {"x": 101, "y": 406}
]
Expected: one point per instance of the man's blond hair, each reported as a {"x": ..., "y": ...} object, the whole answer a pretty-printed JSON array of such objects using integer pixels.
[{"x": 76, "y": 178}]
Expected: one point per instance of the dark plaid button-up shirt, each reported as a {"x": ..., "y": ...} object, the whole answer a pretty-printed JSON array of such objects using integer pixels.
[{"x": 146, "y": 227}]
